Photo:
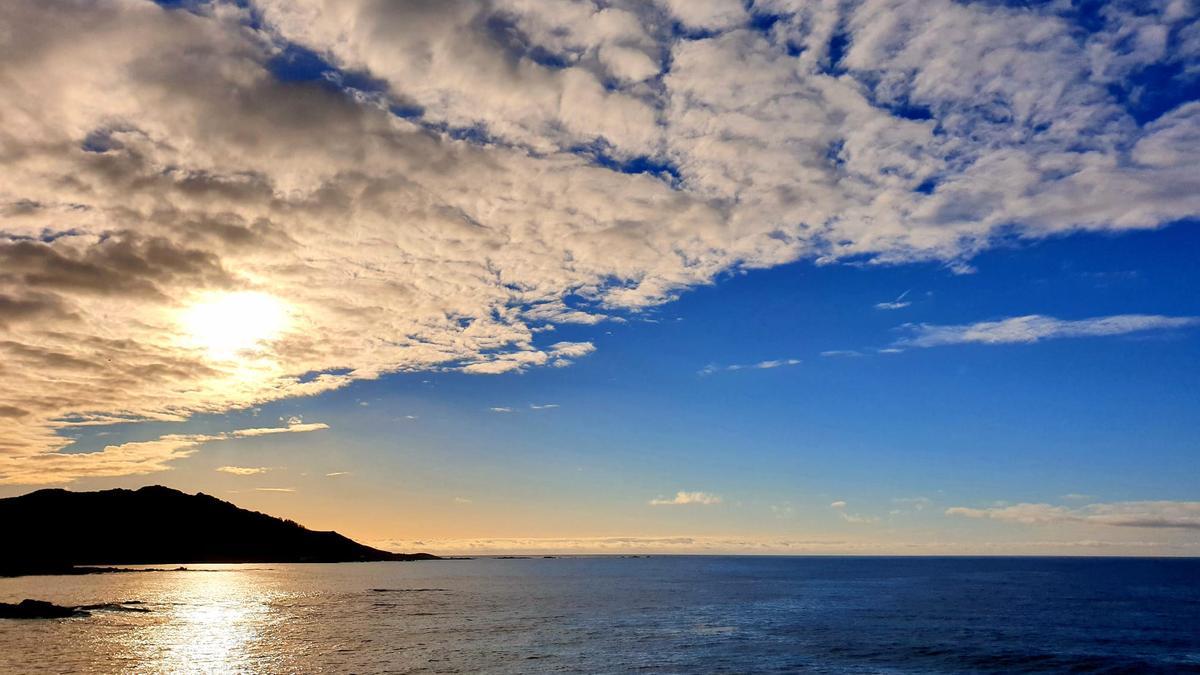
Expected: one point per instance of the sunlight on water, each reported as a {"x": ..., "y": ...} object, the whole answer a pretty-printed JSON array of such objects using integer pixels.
[{"x": 215, "y": 632}]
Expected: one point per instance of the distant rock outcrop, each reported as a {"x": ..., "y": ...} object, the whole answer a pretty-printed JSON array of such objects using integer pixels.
[
  {"x": 52, "y": 531},
  {"x": 38, "y": 609}
]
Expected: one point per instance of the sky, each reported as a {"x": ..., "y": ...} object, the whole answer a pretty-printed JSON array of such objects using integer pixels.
[{"x": 876, "y": 276}]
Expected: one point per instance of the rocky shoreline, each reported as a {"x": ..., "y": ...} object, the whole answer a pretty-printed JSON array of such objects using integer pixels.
[{"x": 40, "y": 609}]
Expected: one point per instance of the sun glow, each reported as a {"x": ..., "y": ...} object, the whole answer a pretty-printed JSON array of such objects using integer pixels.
[{"x": 230, "y": 325}]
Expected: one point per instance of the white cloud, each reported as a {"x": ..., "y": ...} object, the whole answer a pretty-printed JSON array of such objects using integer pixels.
[
  {"x": 242, "y": 470},
  {"x": 334, "y": 474},
  {"x": 545, "y": 406},
  {"x": 898, "y": 303},
  {"x": 914, "y": 503},
  {"x": 840, "y": 507},
  {"x": 776, "y": 363},
  {"x": 290, "y": 429},
  {"x": 1149, "y": 514},
  {"x": 858, "y": 519},
  {"x": 500, "y": 409},
  {"x": 274, "y": 489},
  {"x": 140, "y": 180},
  {"x": 572, "y": 349},
  {"x": 461, "y": 500},
  {"x": 1034, "y": 328},
  {"x": 761, "y": 365},
  {"x": 840, "y": 352},
  {"x": 683, "y": 498},
  {"x": 708, "y": 14}
]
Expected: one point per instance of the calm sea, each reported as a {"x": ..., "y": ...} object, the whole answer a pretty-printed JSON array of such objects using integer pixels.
[{"x": 619, "y": 615}]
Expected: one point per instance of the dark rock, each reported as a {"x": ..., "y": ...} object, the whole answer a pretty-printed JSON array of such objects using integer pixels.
[
  {"x": 116, "y": 606},
  {"x": 38, "y": 609}
]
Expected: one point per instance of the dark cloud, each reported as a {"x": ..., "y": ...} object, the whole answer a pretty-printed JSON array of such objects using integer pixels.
[
  {"x": 125, "y": 263},
  {"x": 31, "y": 307}
]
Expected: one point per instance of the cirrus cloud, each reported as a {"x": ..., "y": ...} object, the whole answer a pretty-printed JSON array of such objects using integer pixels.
[{"x": 1035, "y": 328}]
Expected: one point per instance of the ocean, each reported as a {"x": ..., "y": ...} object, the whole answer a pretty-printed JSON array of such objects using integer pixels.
[{"x": 620, "y": 615}]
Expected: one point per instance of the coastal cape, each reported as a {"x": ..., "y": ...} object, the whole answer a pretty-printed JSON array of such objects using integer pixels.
[{"x": 54, "y": 531}]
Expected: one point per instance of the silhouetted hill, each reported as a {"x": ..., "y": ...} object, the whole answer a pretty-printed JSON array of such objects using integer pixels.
[{"x": 53, "y": 529}]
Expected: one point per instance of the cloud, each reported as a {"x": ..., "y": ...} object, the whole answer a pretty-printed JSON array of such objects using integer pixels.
[
  {"x": 898, "y": 303},
  {"x": 500, "y": 409},
  {"x": 1147, "y": 514},
  {"x": 127, "y": 459},
  {"x": 335, "y": 474},
  {"x": 840, "y": 507},
  {"x": 1034, "y": 328},
  {"x": 494, "y": 169},
  {"x": 242, "y": 470},
  {"x": 784, "y": 510},
  {"x": 761, "y": 365},
  {"x": 461, "y": 500},
  {"x": 840, "y": 353},
  {"x": 289, "y": 429},
  {"x": 796, "y": 546},
  {"x": 914, "y": 503},
  {"x": 274, "y": 489},
  {"x": 682, "y": 498},
  {"x": 858, "y": 519},
  {"x": 546, "y": 406}
]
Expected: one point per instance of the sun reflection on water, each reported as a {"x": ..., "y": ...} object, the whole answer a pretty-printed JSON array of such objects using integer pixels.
[{"x": 215, "y": 625}]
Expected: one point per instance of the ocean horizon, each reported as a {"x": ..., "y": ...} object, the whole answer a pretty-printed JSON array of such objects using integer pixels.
[{"x": 617, "y": 613}]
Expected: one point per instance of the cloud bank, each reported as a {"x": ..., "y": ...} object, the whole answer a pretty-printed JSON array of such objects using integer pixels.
[
  {"x": 1152, "y": 514},
  {"x": 423, "y": 186},
  {"x": 778, "y": 545}
]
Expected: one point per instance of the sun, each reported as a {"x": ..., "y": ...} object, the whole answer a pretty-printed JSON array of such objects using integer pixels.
[{"x": 230, "y": 325}]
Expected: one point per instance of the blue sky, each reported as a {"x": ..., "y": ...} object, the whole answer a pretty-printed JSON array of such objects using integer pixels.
[
  {"x": 1097, "y": 419},
  {"x": 680, "y": 276}
]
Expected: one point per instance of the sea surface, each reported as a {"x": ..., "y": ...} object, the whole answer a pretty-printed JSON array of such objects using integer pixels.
[{"x": 622, "y": 615}]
